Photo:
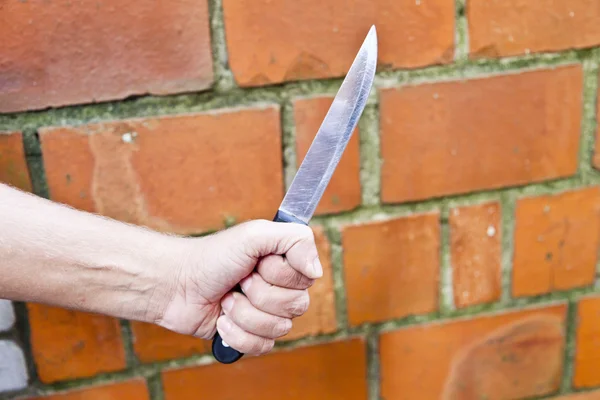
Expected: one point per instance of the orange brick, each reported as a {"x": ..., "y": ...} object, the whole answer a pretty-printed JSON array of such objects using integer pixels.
[
  {"x": 592, "y": 395},
  {"x": 587, "y": 346},
  {"x": 455, "y": 137},
  {"x": 68, "y": 344},
  {"x": 511, "y": 355},
  {"x": 514, "y": 27},
  {"x": 272, "y": 41},
  {"x": 66, "y": 52},
  {"x": 320, "y": 316},
  {"x": 556, "y": 241},
  {"x": 182, "y": 174},
  {"x": 344, "y": 191},
  {"x": 391, "y": 268},
  {"x": 476, "y": 247},
  {"x": 130, "y": 390},
  {"x": 153, "y": 343},
  {"x": 326, "y": 371},
  {"x": 13, "y": 165}
]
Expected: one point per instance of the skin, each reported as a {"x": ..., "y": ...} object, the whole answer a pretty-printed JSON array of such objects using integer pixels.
[{"x": 56, "y": 255}]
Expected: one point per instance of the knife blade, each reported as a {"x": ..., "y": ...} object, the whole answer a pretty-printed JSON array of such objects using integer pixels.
[{"x": 324, "y": 154}]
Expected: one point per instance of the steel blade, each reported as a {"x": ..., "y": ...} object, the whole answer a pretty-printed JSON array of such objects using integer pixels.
[{"x": 329, "y": 144}]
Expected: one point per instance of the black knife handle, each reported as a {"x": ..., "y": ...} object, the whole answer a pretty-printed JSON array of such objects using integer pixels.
[{"x": 228, "y": 355}]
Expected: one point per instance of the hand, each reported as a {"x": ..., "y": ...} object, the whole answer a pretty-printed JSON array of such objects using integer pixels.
[{"x": 274, "y": 262}]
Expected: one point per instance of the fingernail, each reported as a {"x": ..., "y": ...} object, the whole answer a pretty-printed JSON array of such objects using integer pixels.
[
  {"x": 317, "y": 268},
  {"x": 245, "y": 284},
  {"x": 227, "y": 303}
]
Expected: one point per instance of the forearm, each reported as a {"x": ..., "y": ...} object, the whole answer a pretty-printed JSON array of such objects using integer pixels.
[{"x": 53, "y": 254}]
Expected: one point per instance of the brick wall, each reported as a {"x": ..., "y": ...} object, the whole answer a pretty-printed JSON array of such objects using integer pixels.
[{"x": 459, "y": 234}]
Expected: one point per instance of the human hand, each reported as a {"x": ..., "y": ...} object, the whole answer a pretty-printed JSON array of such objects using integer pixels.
[
  {"x": 274, "y": 262},
  {"x": 86, "y": 262}
]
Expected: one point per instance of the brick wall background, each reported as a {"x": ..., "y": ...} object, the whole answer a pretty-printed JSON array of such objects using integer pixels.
[{"x": 459, "y": 234}]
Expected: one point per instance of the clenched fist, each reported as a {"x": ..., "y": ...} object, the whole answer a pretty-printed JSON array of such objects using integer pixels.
[{"x": 275, "y": 264}]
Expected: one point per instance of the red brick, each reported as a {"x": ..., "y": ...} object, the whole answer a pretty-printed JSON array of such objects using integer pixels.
[
  {"x": 512, "y": 355},
  {"x": 326, "y": 371},
  {"x": 476, "y": 247},
  {"x": 391, "y": 268},
  {"x": 68, "y": 344},
  {"x": 130, "y": 390},
  {"x": 272, "y": 41},
  {"x": 183, "y": 174},
  {"x": 153, "y": 343},
  {"x": 512, "y": 27},
  {"x": 64, "y": 52},
  {"x": 587, "y": 344},
  {"x": 455, "y": 137},
  {"x": 592, "y": 395},
  {"x": 13, "y": 165},
  {"x": 343, "y": 192},
  {"x": 556, "y": 241}
]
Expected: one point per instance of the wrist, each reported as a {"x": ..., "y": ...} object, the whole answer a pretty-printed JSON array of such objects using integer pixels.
[
  {"x": 134, "y": 275},
  {"x": 156, "y": 285}
]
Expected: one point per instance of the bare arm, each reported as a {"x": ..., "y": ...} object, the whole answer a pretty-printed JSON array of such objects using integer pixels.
[{"x": 54, "y": 254}]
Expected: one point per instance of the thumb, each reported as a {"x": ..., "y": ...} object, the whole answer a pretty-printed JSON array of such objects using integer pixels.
[{"x": 294, "y": 241}]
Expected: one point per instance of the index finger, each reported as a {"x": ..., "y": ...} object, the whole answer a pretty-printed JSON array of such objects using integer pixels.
[{"x": 294, "y": 240}]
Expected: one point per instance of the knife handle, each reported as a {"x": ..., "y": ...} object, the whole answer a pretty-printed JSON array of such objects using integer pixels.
[{"x": 221, "y": 350}]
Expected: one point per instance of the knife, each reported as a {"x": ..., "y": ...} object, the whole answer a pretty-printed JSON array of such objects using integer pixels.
[{"x": 323, "y": 156}]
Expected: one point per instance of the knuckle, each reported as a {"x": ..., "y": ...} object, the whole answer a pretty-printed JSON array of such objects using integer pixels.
[
  {"x": 259, "y": 299},
  {"x": 245, "y": 344},
  {"x": 266, "y": 346},
  {"x": 282, "y": 327},
  {"x": 299, "y": 305},
  {"x": 249, "y": 344},
  {"x": 244, "y": 319},
  {"x": 291, "y": 278},
  {"x": 254, "y": 228},
  {"x": 307, "y": 233},
  {"x": 255, "y": 345},
  {"x": 282, "y": 275},
  {"x": 299, "y": 280},
  {"x": 251, "y": 228}
]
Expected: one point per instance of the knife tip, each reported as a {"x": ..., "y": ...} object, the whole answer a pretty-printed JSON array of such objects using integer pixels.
[
  {"x": 371, "y": 39},
  {"x": 372, "y": 35}
]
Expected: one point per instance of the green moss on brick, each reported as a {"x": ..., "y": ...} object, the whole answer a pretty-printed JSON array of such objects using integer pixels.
[
  {"x": 589, "y": 122},
  {"x": 288, "y": 142},
  {"x": 337, "y": 264},
  {"x": 155, "y": 388},
  {"x": 446, "y": 291},
  {"x": 223, "y": 76},
  {"x": 373, "y": 365},
  {"x": 507, "y": 204},
  {"x": 461, "y": 32},
  {"x": 370, "y": 157},
  {"x": 38, "y": 176},
  {"x": 229, "y": 221},
  {"x": 569, "y": 351},
  {"x": 127, "y": 335}
]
